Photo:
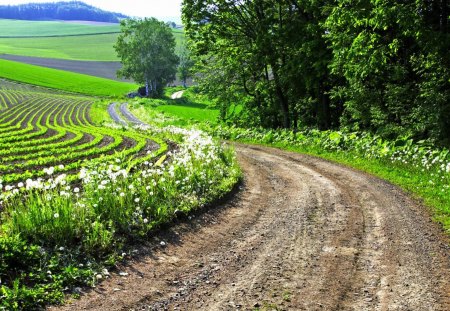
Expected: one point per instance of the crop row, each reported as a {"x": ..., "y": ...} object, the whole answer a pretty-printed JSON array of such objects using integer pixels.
[{"x": 43, "y": 130}]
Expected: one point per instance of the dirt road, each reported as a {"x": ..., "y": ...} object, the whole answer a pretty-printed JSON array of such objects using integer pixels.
[{"x": 300, "y": 234}]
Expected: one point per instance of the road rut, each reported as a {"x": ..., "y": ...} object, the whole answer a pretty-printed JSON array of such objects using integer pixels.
[{"x": 301, "y": 234}]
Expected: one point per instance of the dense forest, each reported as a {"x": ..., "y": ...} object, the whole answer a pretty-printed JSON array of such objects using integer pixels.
[
  {"x": 380, "y": 66},
  {"x": 74, "y": 10}
]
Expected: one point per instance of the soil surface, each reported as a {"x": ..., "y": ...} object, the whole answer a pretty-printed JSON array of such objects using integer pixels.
[
  {"x": 102, "y": 69},
  {"x": 301, "y": 233}
]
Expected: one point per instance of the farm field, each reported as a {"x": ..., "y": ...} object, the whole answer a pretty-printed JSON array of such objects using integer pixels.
[
  {"x": 40, "y": 129},
  {"x": 239, "y": 193},
  {"x": 102, "y": 69},
  {"x": 63, "y": 80},
  {"x": 21, "y": 28},
  {"x": 68, "y": 41},
  {"x": 98, "y": 47},
  {"x": 80, "y": 188}
]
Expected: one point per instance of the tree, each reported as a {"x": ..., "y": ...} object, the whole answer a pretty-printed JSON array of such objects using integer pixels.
[
  {"x": 395, "y": 61},
  {"x": 185, "y": 65},
  {"x": 272, "y": 51},
  {"x": 147, "y": 51}
]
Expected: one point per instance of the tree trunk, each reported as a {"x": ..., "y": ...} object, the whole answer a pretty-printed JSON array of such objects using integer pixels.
[{"x": 282, "y": 100}]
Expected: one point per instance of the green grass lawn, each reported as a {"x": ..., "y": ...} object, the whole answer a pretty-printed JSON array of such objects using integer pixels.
[
  {"x": 19, "y": 28},
  {"x": 91, "y": 47},
  {"x": 188, "y": 110},
  {"x": 63, "y": 80}
]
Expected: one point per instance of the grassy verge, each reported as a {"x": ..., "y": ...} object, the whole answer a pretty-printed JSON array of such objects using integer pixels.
[{"x": 63, "y": 80}]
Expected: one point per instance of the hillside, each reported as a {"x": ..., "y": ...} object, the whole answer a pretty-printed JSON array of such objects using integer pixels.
[{"x": 74, "y": 10}]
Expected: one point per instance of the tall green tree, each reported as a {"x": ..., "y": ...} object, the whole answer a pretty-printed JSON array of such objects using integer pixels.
[
  {"x": 146, "y": 48},
  {"x": 185, "y": 65},
  {"x": 271, "y": 52},
  {"x": 393, "y": 56}
]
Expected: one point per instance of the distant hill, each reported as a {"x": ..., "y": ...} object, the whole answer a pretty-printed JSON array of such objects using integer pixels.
[{"x": 74, "y": 10}]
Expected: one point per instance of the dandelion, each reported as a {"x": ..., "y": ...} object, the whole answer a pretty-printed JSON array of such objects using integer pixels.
[
  {"x": 122, "y": 194},
  {"x": 76, "y": 190},
  {"x": 55, "y": 215},
  {"x": 136, "y": 200}
]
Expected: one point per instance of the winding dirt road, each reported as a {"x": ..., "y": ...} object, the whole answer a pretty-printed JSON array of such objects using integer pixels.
[{"x": 300, "y": 234}]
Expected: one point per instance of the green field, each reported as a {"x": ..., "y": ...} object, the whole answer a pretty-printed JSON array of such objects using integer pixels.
[
  {"x": 97, "y": 47},
  {"x": 63, "y": 80},
  {"x": 92, "y": 47},
  {"x": 20, "y": 28}
]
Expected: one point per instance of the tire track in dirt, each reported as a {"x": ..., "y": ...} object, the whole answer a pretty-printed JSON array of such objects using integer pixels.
[{"x": 302, "y": 234}]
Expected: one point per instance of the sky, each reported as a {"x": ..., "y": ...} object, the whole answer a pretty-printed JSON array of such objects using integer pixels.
[{"x": 161, "y": 9}]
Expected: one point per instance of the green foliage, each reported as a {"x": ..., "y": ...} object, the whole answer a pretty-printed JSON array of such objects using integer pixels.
[
  {"x": 72, "y": 226},
  {"x": 380, "y": 66},
  {"x": 185, "y": 65},
  {"x": 394, "y": 58},
  {"x": 266, "y": 56},
  {"x": 147, "y": 52},
  {"x": 63, "y": 80}
]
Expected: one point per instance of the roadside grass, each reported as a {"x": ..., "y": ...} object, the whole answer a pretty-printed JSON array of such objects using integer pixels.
[
  {"x": 22, "y": 28},
  {"x": 63, "y": 80}
]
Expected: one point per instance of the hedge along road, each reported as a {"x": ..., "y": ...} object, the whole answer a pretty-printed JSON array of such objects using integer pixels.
[{"x": 302, "y": 233}]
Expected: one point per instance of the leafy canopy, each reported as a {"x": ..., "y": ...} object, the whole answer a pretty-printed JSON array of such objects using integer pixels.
[{"x": 146, "y": 48}]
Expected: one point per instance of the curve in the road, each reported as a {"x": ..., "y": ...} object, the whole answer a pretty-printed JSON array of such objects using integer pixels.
[
  {"x": 129, "y": 116},
  {"x": 302, "y": 234},
  {"x": 115, "y": 116}
]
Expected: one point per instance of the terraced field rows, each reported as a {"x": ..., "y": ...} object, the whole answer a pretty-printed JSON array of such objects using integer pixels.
[{"x": 40, "y": 130}]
